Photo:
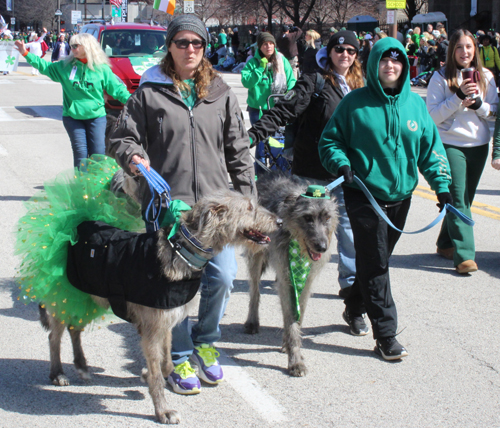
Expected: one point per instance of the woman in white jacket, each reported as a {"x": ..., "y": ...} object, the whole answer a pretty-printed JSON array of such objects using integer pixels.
[
  {"x": 35, "y": 47},
  {"x": 460, "y": 109}
]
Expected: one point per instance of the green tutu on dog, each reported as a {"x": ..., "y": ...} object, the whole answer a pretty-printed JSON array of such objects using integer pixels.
[{"x": 50, "y": 225}]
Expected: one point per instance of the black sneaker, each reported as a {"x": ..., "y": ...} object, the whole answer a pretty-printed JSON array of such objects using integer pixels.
[
  {"x": 356, "y": 323},
  {"x": 344, "y": 293},
  {"x": 390, "y": 349}
]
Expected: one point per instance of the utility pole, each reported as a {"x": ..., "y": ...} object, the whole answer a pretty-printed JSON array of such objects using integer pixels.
[
  {"x": 103, "y": 10},
  {"x": 58, "y": 18}
]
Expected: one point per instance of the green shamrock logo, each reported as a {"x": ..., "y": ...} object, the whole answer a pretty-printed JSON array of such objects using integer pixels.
[{"x": 10, "y": 60}]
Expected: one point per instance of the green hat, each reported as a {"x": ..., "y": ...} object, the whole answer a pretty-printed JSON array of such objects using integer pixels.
[{"x": 315, "y": 191}]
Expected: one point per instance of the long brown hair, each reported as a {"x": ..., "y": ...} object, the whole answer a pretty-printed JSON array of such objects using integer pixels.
[
  {"x": 203, "y": 76},
  {"x": 451, "y": 69},
  {"x": 354, "y": 77}
]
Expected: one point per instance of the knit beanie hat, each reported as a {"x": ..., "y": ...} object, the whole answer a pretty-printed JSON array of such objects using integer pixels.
[
  {"x": 265, "y": 37},
  {"x": 187, "y": 22},
  {"x": 344, "y": 37},
  {"x": 394, "y": 54}
]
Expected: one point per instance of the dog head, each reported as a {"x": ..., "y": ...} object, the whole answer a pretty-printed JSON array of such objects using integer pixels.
[{"x": 227, "y": 217}]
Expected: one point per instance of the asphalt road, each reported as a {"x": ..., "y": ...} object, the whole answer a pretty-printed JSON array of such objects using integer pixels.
[{"x": 449, "y": 323}]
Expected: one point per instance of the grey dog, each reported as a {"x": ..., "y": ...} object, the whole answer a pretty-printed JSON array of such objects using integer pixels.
[
  {"x": 224, "y": 218},
  {"x": 312, "y": 223}
]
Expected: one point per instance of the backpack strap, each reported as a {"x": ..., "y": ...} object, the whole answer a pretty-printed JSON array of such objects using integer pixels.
[{"x": 320, "y": 84}]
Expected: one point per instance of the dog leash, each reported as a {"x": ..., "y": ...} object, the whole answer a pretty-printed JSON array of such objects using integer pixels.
[
  {"x": 157, "y": 186},
  {"x": 447, "y": 208}
]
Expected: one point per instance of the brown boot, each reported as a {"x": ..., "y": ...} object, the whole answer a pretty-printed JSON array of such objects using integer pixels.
[
  {"x": 447, "y": 253},
  {"x": 467, "y": 266}
]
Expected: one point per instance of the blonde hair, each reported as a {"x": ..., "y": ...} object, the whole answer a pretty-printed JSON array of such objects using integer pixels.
[
  {"x": 203, "y": 76},
  {"x": 380, "y": 36},
  {"x": 452, "y": 66},
  {"x": 93, "y": 52},
  {"x": 314, "y": 36}
]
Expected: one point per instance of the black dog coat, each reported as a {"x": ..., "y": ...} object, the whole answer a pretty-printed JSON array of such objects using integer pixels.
[{"x": 123, "y": 267}]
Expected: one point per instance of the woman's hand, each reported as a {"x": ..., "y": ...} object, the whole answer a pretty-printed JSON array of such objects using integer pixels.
[
  {"x": 468, "y": 102},
  {"x": 468, "y": 88},
  {"x": 20, "y": 46},
  {"x": 496, "y": 164},
  {"x": 136, "y": 159}
]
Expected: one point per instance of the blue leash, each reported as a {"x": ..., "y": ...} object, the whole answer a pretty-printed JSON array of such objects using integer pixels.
[
  {"x": 157, "y": 185},
  {"x": 447, "y": 208}
]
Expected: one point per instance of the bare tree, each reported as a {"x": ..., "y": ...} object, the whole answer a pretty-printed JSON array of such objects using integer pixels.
[
  {"x": 297, "y": 10},
  {"x": 414, "y": 7}
]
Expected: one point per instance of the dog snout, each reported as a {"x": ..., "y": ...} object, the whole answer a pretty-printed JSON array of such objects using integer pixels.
[
  {"x": 320, "y": 247},
  {"x": 279, "y": 222}
]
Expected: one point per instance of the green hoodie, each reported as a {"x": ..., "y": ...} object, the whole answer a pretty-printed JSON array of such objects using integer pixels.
[
  {"x": 83, "y": 89},
  {"x": 386, "y": 140},
  {"x": 259, "y": 80}
]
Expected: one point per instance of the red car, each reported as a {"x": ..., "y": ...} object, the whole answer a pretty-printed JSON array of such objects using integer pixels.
[{"x": 132, "y": 48}]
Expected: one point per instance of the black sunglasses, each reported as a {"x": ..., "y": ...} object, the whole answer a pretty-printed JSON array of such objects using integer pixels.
[
  {"x": 183, "y": 43},
  {"x": 340, "y": 49},
  {"x": 74, "y": 46}
]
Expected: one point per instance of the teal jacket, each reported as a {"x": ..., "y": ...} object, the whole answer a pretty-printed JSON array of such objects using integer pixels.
[
  {"x": 83, "y": 89},
  {"x": 386, "y": 140},
  {"x": 258, "y": 81}
]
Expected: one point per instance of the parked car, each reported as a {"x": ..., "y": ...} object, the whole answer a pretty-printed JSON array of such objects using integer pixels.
[{"x": 132, "y": 48}]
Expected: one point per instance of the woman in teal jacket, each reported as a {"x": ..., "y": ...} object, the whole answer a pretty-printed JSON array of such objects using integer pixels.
[
  {"x": 268, "y": 72},
  {"x": 84, "y": 75},
  {"x": 384, "y": 134}
]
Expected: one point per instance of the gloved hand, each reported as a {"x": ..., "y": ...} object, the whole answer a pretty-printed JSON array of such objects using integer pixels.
[
  {"x": 347, "y": 173},
  {"x": 444, "y": 198},
  {"x": 263, "y": 62}
]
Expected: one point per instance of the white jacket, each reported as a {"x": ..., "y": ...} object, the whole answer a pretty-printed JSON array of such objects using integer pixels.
[{"x": 458, "y": 125}]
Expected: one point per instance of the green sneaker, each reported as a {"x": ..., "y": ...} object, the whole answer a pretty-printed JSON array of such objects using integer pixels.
[
  {"x": 183, "y": 380},
  {"x": 205, "y": 357}
]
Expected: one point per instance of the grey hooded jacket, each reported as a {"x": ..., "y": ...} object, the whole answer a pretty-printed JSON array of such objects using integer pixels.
[{"x": 192, "y": 149}]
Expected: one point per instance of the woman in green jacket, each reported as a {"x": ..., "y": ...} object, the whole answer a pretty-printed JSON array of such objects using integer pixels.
[
  {"x": 384, "y": 134},
  {"x": 84, "y": 75},
  {"x": 268, "y": 72}
]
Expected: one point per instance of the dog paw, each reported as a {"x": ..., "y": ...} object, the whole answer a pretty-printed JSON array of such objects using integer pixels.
[
  {"x": 84, "y": 374},
  {"x": 251, "y": 328},
  {"x": 297, "y": 370},
  {"x": 60, "y": 380},
  {"x": 169, "y": 417}
]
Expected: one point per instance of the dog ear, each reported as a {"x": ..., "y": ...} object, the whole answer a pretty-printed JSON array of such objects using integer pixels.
[{"x": 214, "y": 214}]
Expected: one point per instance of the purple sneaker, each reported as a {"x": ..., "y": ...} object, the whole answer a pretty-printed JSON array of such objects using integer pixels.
[
  {"x": 205, "y": 357},
  {"x": 183, "y": 380}
]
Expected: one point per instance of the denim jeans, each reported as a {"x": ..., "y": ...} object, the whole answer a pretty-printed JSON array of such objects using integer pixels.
[
  {"x": 345, "y": 240},
  {"x": 216, "y": 286},
  {"x": 253, "y": 114},
  {"x": 86, "y": 136}
]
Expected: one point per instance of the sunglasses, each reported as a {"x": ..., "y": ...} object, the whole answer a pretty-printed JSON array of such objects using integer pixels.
[
  {"x": 74, "y": 46},
  {"x": 183, "y": 43},
  {"x": 340, "y": 50}
]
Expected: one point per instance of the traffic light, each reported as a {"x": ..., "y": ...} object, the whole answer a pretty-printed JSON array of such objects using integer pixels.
[{"x": 62, "y": 22}]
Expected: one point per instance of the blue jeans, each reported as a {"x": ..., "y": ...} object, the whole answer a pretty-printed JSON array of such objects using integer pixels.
[
  {"x": 86, "y": 136},
  {"x": 253, "y": 114},
  {"x": 216, "y": 286},
  {"x": 345, "y": 239}
]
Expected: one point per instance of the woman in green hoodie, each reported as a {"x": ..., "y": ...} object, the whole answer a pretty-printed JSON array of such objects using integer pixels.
[
  {"x": 383, "y": 134},
  {"x": 84, "y": 75}
]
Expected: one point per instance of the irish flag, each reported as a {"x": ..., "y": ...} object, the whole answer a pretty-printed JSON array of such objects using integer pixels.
[{"x": 165, "y": 6}]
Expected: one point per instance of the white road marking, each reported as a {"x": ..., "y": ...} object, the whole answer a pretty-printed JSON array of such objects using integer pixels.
[
  {"x": 4, "y": 117},
  {"x": 6, "y": 82},
  {"x": 3, "y": 151},
  {"x": 267, "y": 406},
  {"x": 46, "y": 113}
]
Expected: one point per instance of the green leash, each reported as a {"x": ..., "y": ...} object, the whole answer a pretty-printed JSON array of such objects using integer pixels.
[{"x": 300, "y": 266}]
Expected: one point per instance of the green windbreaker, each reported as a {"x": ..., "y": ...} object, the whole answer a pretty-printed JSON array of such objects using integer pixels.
[
  {"x": 83, "y": 88},
  {"x": 386, "y": 140}
]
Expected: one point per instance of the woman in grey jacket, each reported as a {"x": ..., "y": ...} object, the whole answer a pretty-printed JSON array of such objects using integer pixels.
[{"x": 186, "y": 123}]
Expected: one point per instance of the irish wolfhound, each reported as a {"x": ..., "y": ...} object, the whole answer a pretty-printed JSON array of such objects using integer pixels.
[
  {"x": 309, "y": 221},
  {"x": 224, "y": 218}
]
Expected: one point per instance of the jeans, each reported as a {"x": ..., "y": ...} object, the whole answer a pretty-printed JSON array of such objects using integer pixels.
[
  {"x": 216, "y": 285},
  {"x": 345, "y": 240},
  {"x": 254, "y": 114},
  {"x": 86, "y": 136}
]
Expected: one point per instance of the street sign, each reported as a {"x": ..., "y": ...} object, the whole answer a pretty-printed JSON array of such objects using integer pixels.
[
  {"x": 12, "y": 21},
  {"x": 395, "y": 4},
  {"x": 390, "y": 17},
  {"x": 58, "y": 12},
  {"x": 76, "y": 16},
  {"x": 188, "y": 6}
]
